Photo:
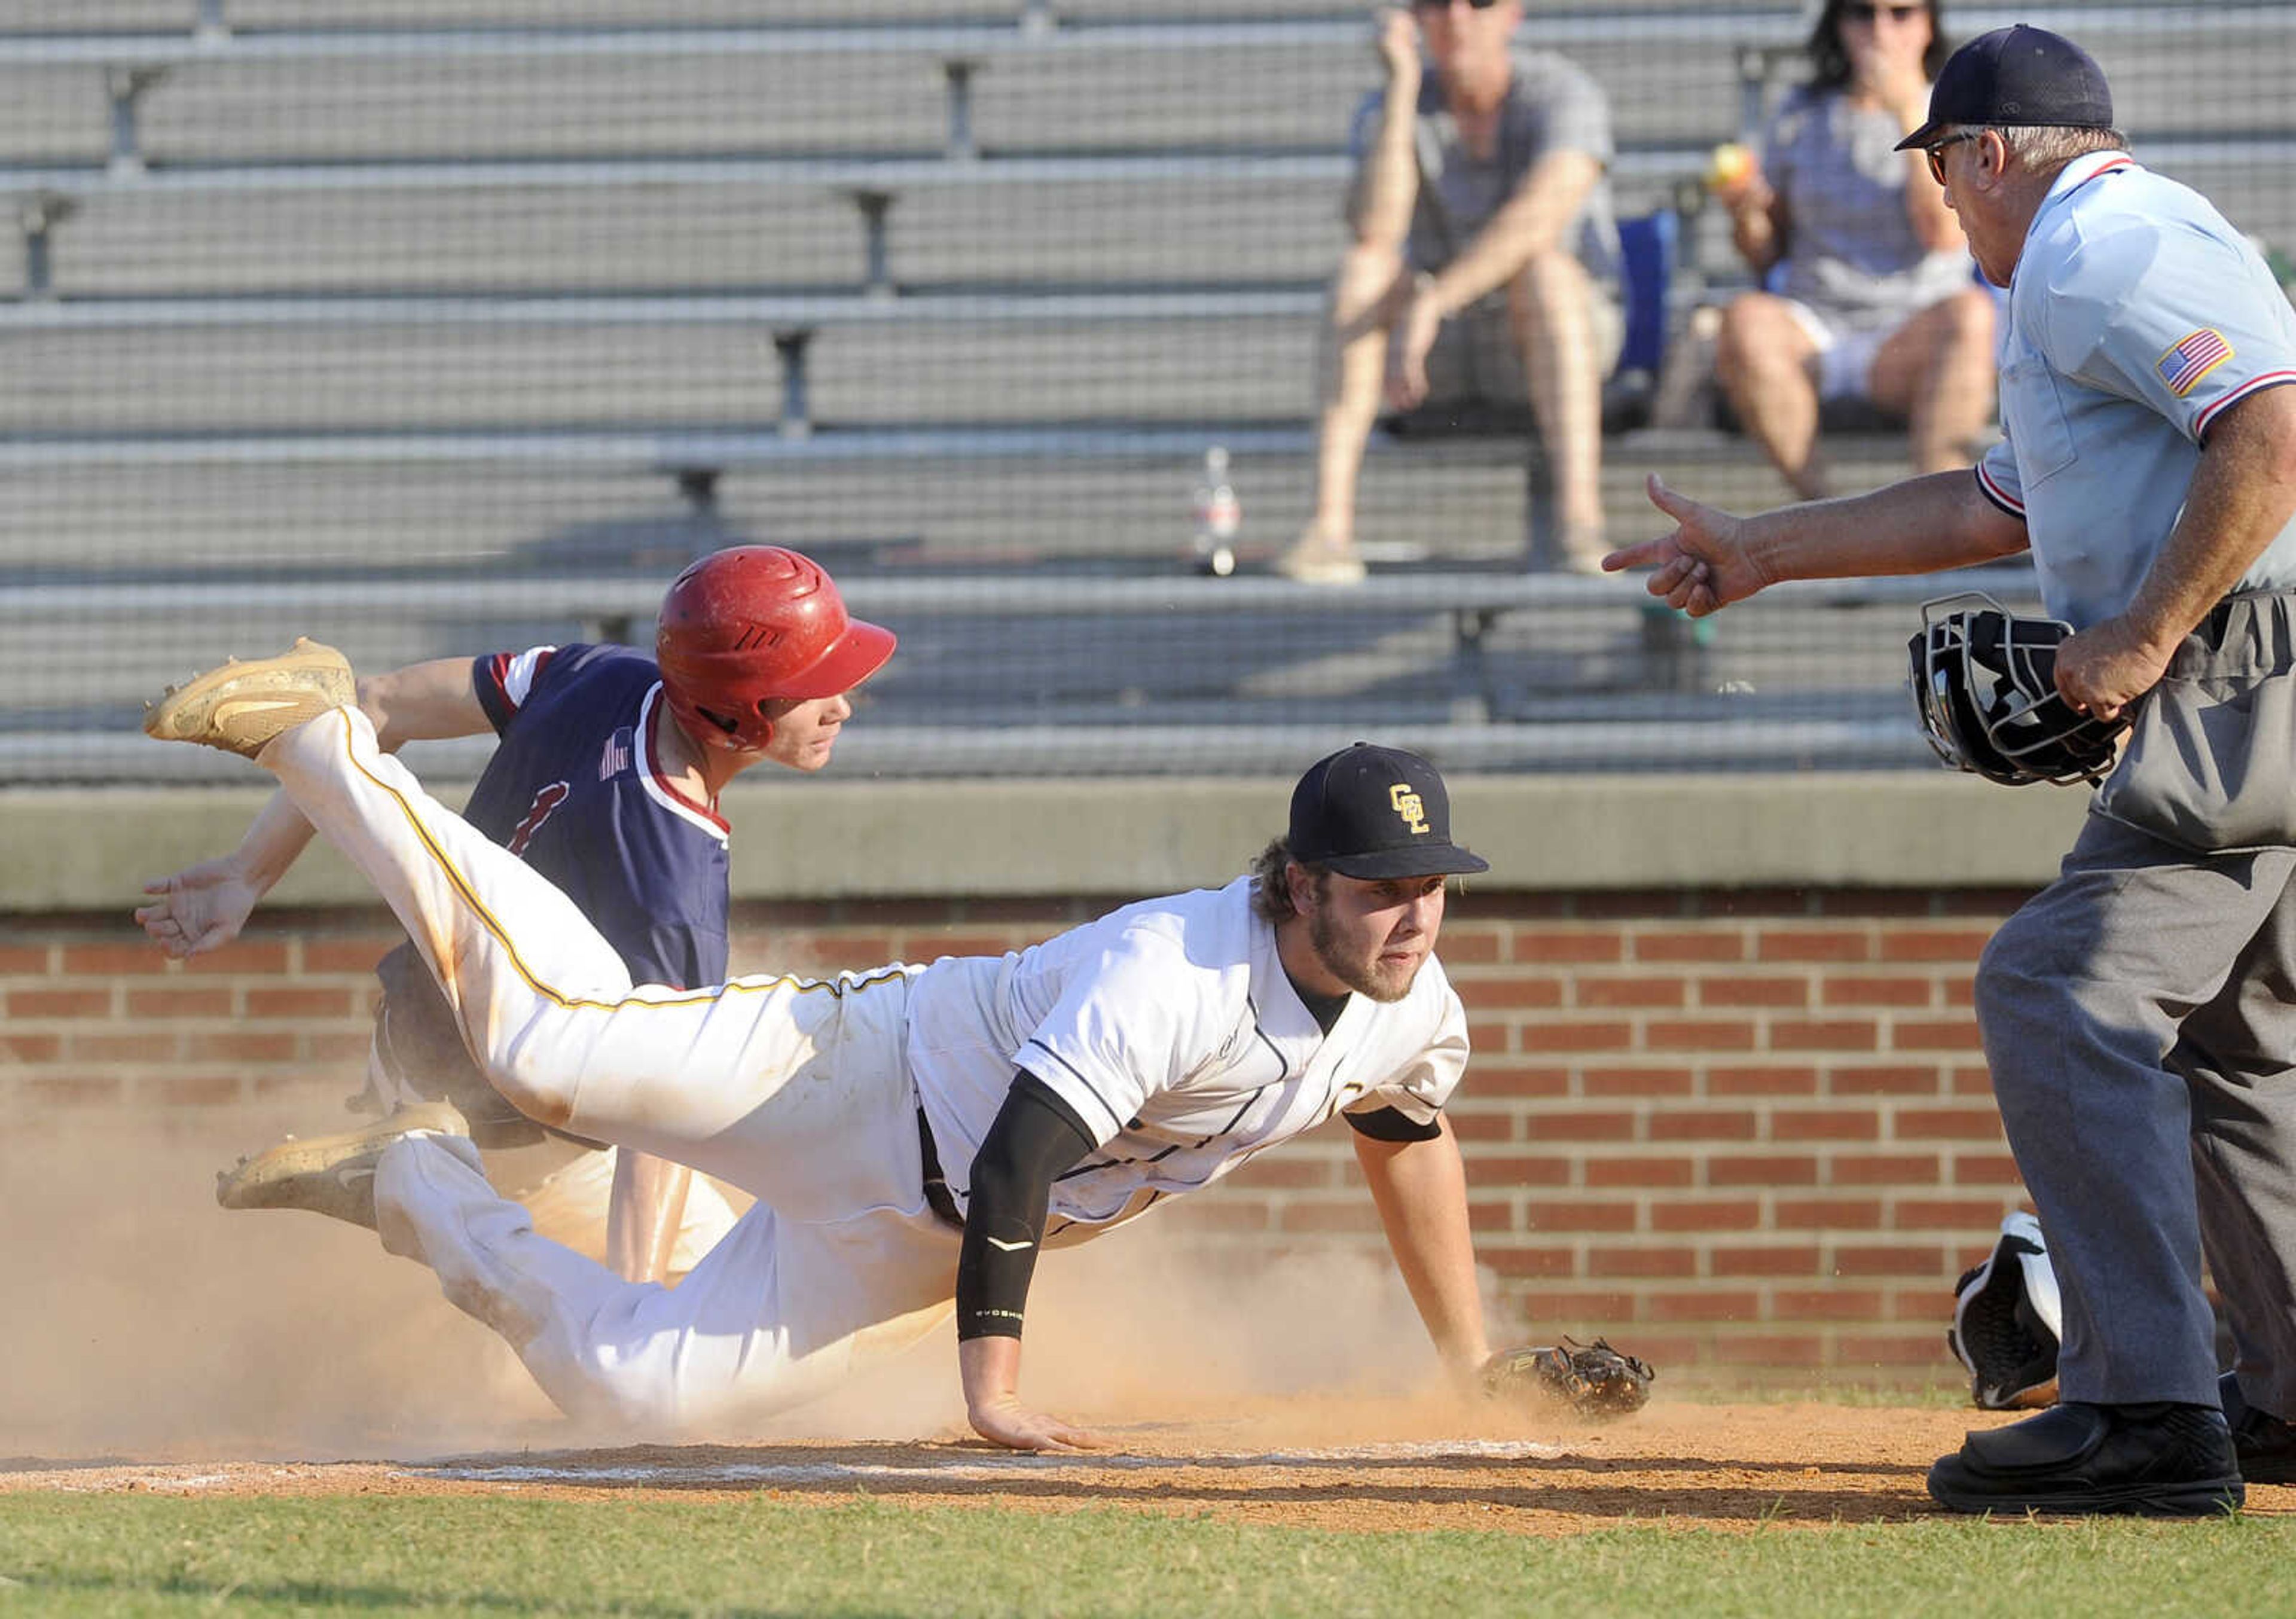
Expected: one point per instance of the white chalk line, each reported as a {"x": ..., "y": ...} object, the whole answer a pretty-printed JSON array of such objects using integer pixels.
[{"x": 980, "y": 1470}]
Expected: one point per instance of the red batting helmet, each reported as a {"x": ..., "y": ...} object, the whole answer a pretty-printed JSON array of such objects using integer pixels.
[{"x": 743, "y": 627}]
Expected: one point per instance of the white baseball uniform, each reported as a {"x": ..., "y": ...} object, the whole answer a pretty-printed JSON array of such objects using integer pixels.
[{"x": 1168, "y": 1027}]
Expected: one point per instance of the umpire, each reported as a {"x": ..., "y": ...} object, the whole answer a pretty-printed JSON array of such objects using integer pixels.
[{"x": 2137, "y": 1012}]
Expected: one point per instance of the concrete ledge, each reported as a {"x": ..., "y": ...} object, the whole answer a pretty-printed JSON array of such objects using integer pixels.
[{"x": 89, "y": 850}]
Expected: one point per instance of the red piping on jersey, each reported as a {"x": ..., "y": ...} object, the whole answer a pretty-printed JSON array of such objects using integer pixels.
[{"x": 661, "y": 780}]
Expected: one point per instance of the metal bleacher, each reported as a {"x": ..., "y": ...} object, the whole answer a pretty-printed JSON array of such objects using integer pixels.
[{"x": 458, "y": 300}]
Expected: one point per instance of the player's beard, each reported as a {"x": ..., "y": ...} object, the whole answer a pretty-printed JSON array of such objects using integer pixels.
[{"x": 1370, "y": 978}]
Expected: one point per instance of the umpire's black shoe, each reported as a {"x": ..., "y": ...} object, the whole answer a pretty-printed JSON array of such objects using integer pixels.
[
  {"x": 2161, "y": 1460},
  {"x": 2265, "y": 1444}
]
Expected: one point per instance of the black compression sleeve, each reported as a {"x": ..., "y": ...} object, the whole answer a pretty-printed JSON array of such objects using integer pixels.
[
  {"x": 1392, "y": 1124},
  {"x": 1035, "y": 1139}
]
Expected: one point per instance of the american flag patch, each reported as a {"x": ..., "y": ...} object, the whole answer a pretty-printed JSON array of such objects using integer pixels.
[{"x": 2184, "y": 365}]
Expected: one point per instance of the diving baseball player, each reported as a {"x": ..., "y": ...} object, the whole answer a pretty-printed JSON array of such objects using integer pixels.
[
  {"x": 913, "y": 1135},
  {"x": 605, "y": 781}
]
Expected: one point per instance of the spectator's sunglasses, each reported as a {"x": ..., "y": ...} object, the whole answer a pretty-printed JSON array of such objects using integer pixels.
[
  {"x": 1935, "y": 152},
  {"x": 1866, "y": 10}
]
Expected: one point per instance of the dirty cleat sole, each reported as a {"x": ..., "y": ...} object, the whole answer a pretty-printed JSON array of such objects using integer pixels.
[
  {"x": 332, "y": 1175},
  {"x": 238, "y": 707}
]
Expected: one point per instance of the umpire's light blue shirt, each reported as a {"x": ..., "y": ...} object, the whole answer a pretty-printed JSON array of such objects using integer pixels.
[{"x": 2137, "y": 316}]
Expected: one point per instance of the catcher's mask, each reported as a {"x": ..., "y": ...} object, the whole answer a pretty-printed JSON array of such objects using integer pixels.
[
  {"x": 2008, "y": 1321},
  {"x": 1984, "y": 683}
]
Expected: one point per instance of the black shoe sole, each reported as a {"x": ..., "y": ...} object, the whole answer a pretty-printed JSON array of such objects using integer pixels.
[{"x": 1955, "y": 1489}]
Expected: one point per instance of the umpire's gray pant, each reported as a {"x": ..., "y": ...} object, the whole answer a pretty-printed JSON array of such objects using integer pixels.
[{"x": 2139, "y": 1016}]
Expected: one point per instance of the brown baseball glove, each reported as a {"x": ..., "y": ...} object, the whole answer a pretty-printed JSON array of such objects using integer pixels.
[{"x": 1593, "y": 1379}]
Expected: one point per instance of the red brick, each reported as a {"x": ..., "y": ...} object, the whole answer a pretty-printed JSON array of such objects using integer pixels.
[
  {"x": 1325, "y": 1215},
  {"x": 109, "y": 1044},
  {"x": 246, "y": 958},
  {"x": 88, "y": 1001},
  {"x": 1689, "y": 945},
  {"x": 1935, "y": 1034},
  {"x": 1768, "y": 1079},
  {"x": 1706, "y": 1214},
  {"x": 1812, "y": 944},
  {"x": 21, "y": 1048},
  {"x": 23, "y": 960},
  {"x": 1469, "y": 944},
  {"x": 300, "y": 1000},
  {"x": 1499, "y": 1077},
  {"x": 113, "y": 960},
  {"x": 1973, "y": 1124},
  {"x": 188, "y": 1090},
  {"x": 1490, "y": 1215},
  {"x": 1586, "y": 1312},
  {"x": 1958, "y": 944},
  {"x": 1774, "y": 992},
  {"x": 1822, "y": 1124},
  {"x": 1294, "y": 1170},
  {"x": 1801, "y": 1260},
  {"x": 1529, "y": 1262},
  {"x": 1607, "y": 1174},
  {"x": 960, "y": 942},
  {"x": 1470, "y": 1123},
  {"x": 345, "y": 954},
  {"x": 1847, "y": 1080},
  {"x": 1666, "y": 993},
  {"x": 336, "y": 1045},
  {"x": 1825, "y": 1304},
  {"x": 1874, "y": 1349},
  {"x": 1222, "y": 1215},
  {"x": 180, "y": 1002},
  {"x": 1658, "y": 1263},
  {"x": 1986, "y": 1169},
  {"x": 1515, "y": 904},
  {"x": 1950, "y": 1213},
  {"x": 1972, "y": 1080},
  {"x": 1879, "y": 992},
  {"x": 1638, "y": 1081},
  {"x": 1882, "y": 1169},
  {"x": 1722, "y": 1306},
  {"x": 1578, "y": 1214},
  {"x": 1761, "y": 902},
  {"x": 1575, "y": 1036},
  {"x": 1773, "y": 1352},
  {"x": 1586, "y": 945},
  {"x": 1701, "y": 1034},
  {"x": 74, "y": 1091},
  {"x": 1517, "y": 992},
  {"x": 1896, "y": 1260},
  {"x": 1826, "y": 1213},
  {"x": 1704, "y": 1124},
  {"x": 1823, "y": 1034},
  {"x": 1489, "y": 1168},
  {"x": 1768, "y": 1170}
]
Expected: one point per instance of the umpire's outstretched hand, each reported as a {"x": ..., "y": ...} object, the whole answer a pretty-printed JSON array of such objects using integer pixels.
[{"x": 1702, "y": 566}]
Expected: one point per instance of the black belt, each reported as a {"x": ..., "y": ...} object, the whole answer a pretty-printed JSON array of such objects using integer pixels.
[{"x": 939, "y": 1198}]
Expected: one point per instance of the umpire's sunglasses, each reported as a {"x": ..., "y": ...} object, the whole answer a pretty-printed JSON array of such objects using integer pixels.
[{"x": 1935, "y": 152}]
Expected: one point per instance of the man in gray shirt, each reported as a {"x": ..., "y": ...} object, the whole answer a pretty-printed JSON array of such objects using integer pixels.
[{"x": 1483, "y": 265}]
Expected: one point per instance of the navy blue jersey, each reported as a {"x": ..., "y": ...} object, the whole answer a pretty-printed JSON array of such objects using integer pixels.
[{"x": 576, "y": 789}]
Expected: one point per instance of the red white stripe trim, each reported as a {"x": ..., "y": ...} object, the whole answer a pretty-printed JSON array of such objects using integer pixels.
[
  {"x": 656, "y": 782},
  {"x": 2270, "y": 379},
  {"x": 1999, "y": 496},
  {"x": 516, "y": 675}
]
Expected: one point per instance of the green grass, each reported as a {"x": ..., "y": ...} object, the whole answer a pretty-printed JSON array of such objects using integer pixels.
[{"x": 89, "y": 1554}]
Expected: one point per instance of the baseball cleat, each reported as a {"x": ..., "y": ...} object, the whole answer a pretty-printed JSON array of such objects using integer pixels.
[
  {"x": 239, "y": 707},
  {"x": 333, "y": 1174}
]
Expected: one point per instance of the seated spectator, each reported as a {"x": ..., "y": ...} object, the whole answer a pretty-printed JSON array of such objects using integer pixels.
[
  {"x": 1875, "y": 299},
  {"x": 1483, "y": 268}
]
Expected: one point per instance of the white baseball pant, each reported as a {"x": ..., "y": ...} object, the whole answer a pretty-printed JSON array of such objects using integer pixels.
[{"x": 795, "y": 1091}]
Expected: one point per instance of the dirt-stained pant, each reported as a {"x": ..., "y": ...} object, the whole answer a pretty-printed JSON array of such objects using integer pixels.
[{"x": 795, "y": 1091}]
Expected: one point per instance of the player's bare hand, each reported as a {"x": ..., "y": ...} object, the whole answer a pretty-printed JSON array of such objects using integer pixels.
[
  {"x": 1395, "y": 36},
  {"x": 1005, "y": 1421},
  {"x": 198, "y": 909},
  {"x": 1702, "y": 566},
  {"x": 1407, "y": 348},
  {"x": 2108, "y": 666}
]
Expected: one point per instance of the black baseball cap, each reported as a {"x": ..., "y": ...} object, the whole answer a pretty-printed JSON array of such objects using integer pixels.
[
  {"x": 1376, "y": 812},
  {"x": 2017, "y": 78}
]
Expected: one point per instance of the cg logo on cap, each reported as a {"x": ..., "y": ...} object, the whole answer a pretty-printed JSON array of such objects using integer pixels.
[{"x": 1407, "y": 802}]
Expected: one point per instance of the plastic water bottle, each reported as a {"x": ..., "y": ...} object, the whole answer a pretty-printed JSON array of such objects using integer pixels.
[{"x": 1217, "y": 517}]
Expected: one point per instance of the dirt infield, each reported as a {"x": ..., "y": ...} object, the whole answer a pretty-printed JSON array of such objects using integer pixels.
[{"x": 1720, "y": 1466}]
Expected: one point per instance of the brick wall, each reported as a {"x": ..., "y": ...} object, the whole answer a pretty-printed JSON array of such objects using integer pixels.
[{"x": 1743, "y": 1131}]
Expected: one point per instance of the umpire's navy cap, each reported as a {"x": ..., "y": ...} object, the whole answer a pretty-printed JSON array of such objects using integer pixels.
[
  {"x": 1376, "y": 812},
  {"x": 2017, "y": 78}
]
